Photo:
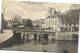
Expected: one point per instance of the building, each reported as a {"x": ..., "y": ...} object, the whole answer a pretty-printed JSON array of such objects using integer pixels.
[
  {"x": 40, "y": 23},
  {"x": 52, "y": 20}
]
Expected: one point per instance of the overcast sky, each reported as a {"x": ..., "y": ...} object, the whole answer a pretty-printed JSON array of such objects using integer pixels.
[{"x": 30, "y": 10}]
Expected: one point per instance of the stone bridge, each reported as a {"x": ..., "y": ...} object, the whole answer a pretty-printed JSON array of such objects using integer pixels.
[{"x": 24, "y": 35}]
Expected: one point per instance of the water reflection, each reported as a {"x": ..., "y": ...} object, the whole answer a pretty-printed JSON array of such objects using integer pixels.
[{"x": 52, "y": 45}]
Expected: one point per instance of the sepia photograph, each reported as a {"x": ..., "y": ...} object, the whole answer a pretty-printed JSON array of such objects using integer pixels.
[{"x": 39, "y": 26}]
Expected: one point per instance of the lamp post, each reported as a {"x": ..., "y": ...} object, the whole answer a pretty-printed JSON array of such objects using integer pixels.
[
  {"x": 2, "y": 17},
  {"x": 1, "y": 23}
]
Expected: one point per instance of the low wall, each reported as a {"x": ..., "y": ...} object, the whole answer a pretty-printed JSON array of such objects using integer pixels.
[{"x": 7, "y": 43}]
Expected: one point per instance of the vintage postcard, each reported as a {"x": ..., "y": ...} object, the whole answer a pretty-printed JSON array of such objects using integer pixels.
[{"x": 39, "y": 26}]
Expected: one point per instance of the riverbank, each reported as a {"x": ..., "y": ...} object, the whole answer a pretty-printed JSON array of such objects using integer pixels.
[{"x": 6, "y": 38}]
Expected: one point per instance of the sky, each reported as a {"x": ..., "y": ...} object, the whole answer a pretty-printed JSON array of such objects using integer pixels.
[{"x": 31, "y": 10}]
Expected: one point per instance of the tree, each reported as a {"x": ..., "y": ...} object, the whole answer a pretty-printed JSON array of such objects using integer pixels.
[
  {"x": 70, "y": 17},
  {"x": 28, "y": 23},
  {"x": 4, "y": 23},
  {"x": 16, "y": 21}
]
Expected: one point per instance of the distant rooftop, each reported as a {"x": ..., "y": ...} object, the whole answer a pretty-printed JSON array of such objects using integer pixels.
[
  {"x": 53, "y": 16},
  {"x": 39, "y": 20}
]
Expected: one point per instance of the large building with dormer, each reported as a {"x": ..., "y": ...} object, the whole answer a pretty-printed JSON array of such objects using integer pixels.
[{"x": 52, "y": 20}]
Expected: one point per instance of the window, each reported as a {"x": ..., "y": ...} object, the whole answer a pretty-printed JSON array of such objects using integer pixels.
[{"x": 53, "y": 21}]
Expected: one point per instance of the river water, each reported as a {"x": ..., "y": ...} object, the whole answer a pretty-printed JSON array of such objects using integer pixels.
[{"x": 70, "y": 46}]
